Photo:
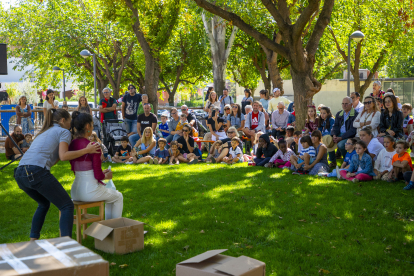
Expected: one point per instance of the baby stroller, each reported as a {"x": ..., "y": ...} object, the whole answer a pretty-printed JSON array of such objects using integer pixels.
[{"x": 113, "y": 130}]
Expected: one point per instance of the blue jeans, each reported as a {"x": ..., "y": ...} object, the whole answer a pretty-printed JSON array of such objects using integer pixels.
[
  {"x": 262, "y": 161},
  {"x": 169, "y": 138},
  {"x": 176, "y": 137},
  {"x": 133, "y": 139},
  {"x": 341, "y": 148},
  {"x": 131, "y": 125},
  {"x": 44, "y": 188}
]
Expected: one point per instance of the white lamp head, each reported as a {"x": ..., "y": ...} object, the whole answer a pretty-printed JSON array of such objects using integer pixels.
[
  {"x": 85, "y": 53},
  {"x": 55, "y": 68},
  {"x": 357, "y": 36}
]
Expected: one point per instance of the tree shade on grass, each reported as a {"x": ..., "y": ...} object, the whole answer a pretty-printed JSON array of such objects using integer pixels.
[{"x": 298, "y": 225}]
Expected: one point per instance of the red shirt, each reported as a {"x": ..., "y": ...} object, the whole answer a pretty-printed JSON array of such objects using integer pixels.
[{"x": 255, "y": 120}]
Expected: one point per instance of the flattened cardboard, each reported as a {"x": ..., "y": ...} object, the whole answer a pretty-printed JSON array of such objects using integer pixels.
[
  {"x": 119, "y": 235},
  {"x": 212, "y": 263},
  {"x": 242, "y": 265},
  {"x": 60, "y": 256},
  {"x": 204, "y": 256}
]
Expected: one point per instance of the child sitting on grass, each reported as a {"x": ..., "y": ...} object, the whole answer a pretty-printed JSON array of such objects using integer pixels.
[
  {"x": 350, "y": 151},
  {"x": 161, "y": 154},
  {"x": 383, "y": 164},
  {"x": 360, "y": 168},
  {"x": 306, "y": 155},
  {"x": 104, "y": 156},
  {"x": 401, "y": 162},
  {"x": 250, "y": 157},
  {"x": 235, "y": 153},
  {"x": 123, "y": 153},
  {"x": 174, "y": 153},
  {"x": 296, "y": 137},
  {"x": 217, "y": 146},
  {"x": 281, "y": 159},
  {"x": 290, "y": 140},
  {"x": 27, "y": 142}
]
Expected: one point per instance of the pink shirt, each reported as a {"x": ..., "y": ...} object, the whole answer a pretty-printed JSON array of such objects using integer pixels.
[{"x": 86, "y": 162}]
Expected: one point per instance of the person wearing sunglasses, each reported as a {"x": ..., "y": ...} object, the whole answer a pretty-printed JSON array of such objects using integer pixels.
[
  {"x": 236, "y": 119},
  {"x": 370, "y": 116},
  {"x": 107, "y": 106},
  {"x": 356, "y": 104}
]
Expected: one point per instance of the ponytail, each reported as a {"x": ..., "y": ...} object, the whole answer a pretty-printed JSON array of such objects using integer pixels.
[
  {"x": 53, "y": 116},
  {"x": 79, "y": 121},
  {"x": 362, "y": 144}
]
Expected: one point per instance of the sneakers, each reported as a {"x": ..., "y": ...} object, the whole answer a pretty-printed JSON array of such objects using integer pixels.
[
  {"x": 130, "y": 162},
  {"x": 338, "y": 175},
  {"x": 269, "y": 165},
  {"x": 332, "y": 165},
  {"x": 323, "y": 174},
  {"x": 251, "y": 164},
  {"x": 355, "y": 180},
  {"x": 377, "y": 177},
  {"x": 151, "y": 161},
  {"x": 155, "y": 161},
  {"x": 410, "y": 186},
  {"x": 213, "y": 160},
  {"x": 194, "y": 161}
]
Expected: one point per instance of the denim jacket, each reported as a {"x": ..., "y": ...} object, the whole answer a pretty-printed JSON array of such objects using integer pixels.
[
  {"x": 324, "y": 130},
  {"x": 365, "y": 163}
]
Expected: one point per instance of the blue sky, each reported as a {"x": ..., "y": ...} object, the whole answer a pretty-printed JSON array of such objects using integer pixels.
[{"x": 7, "y": 3}]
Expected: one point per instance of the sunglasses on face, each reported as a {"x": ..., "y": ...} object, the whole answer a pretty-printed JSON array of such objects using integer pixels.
[
  {"x": 230, "y": 132},
  {"x": 174, "y": 113},
  {"x": 227, "y": 109},
  {"x": 370, "y": 102},
  {"x": 186, "y": 130},
  {"x": 348, "y": 144},
  {"x": 107, "y": 92},
  {"x": 234, "y": 106},
  {"x": 183, "y": 109}
]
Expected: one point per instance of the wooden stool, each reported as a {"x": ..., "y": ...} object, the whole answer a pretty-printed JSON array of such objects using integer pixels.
[{"x": 82, "y": 217}]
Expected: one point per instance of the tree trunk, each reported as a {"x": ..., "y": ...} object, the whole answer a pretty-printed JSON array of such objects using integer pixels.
[
  {"x": 271, "y": 59},
  {"x": 216, "y": 32},
  {"x": 263, "y": 75},
  {"x": 152, "y": 75}
]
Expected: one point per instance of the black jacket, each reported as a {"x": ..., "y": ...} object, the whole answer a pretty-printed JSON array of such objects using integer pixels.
[
  {"x": 349, "y": 124},
  {"x": 395, "y": 122},
  {"x": 269, "y": 150}
]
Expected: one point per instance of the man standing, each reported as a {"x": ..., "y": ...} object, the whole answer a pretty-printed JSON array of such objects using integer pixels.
[
  {"x": 343, "y": 127},
  {"x": 12, "y": 152},
  {"x": 130, "y": 103},
  {"x": 224, "y": 100},
  {"x": 147, "y": 119},
  {"x": 107, "y": 106},
  {"x": 356, "y": 104},
  {"x": 279, "y": 121},
  {"x": 276, "y": 99},
  {"x": 255, "y": 122}
]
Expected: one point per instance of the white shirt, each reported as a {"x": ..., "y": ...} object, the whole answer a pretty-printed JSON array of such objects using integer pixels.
[
  {"x": 234, "y": 153},
  {"x": 359, "y": 107},
  {"x": 375, "y": 147},
  {"x": 366, "y": 117},
  {"x": 384, "y": 161},
  {"x": 48, "y": 106}
]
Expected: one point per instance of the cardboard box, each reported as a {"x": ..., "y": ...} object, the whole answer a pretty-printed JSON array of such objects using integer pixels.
[
  {"x": 213, "y": 263},
  {"x": 60, "y": 256},
  {"x": 119, "y": 235}
]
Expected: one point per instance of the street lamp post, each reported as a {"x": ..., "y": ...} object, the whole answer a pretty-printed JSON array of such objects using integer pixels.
[
  {"x": 85, "y": 54},
  {"x": 357, "y": 36},
  {"x": 55, "y": 68}
]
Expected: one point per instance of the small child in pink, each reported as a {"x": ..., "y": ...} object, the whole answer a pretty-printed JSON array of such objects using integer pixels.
[{"x": 281, "y": 159}]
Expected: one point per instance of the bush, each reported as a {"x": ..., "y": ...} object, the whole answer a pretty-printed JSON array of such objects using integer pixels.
[{"x": 193, "y": 103}]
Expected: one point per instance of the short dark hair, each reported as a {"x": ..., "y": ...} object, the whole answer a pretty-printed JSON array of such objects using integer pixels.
[
  {"x": 131, "y": 85},
  {"x": 174, "y": 143},
  {"x": 404, "y": 143},
  {"x": 407, "y": 106},
  {"x": 237, "y": 139},
  {"x": 124, "y": 139},
  {"x": 357, "y": 94},
  {"x": 306, "y": 139},
  {"x": 290, "y": 128},
  {"x": 162, "y": 140},
  {"x": 28, "y": 134},
  {"x": 297, "y": 133}
]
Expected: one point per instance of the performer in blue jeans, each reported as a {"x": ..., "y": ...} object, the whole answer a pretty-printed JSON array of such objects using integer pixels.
[{"x": 33, "y": 173}]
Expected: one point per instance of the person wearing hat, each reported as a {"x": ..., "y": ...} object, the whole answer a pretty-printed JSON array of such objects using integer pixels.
[
  {"x": 343, "y": 127},
  {"x": 376, "y": 90},
  {"x": 273, "y": 103}
]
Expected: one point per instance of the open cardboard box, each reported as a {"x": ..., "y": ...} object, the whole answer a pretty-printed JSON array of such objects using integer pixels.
[
  {"x": 213, "y": 263},
  {"x": 60, "y": 256},
  {"x": 120, "y": 235}
]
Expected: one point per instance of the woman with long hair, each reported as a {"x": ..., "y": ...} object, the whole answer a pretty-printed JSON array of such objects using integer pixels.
[
  {"x": 264, "y": 98},
  {"x": 236, "y": 118},
  {"x": 370, "y": 116},
  {"x": 325, "y": 121},
  {"x": 212, "y": 102},
  {"x": 83, "y": 105},
  {"x": 247, "y": 100},
  {"x": 50, "y": 102},
  {"x": 144, "y": 149},
  {"x": 88, "y": 185},
  {"x": 33, "y": 173},
  {"x": 23, "y": 113},
  {"x": 391, "y": 120}
]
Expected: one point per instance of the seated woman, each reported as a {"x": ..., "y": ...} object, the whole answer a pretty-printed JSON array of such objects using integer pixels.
[
  {"x": 370, "y": 116},
  {"x": 186, "y": 146},
  {"x": 265, "y": 151},
  {"x": 320, "y": 164},
  {"x": 144, "y": 149},
  {"x": 216, "y": 126},
  {"x": 236, "y": 119},
  {"x": 88, "y": 185},
  {"x": 391, "y": 120},
  {"x": 325, "y": 121},
  {"x": 231, "y": 133},
  {"x": 373, "y": 145}
]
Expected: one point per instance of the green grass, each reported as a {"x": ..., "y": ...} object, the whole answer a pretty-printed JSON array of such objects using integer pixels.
[{"x": 297, "y": 225}]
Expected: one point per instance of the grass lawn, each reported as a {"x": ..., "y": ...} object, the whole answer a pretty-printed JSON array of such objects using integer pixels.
[{"x": 297, "y": 225}]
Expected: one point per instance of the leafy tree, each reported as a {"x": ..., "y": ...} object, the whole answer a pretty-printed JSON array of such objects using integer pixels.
[{"x": 292, "y": 25}]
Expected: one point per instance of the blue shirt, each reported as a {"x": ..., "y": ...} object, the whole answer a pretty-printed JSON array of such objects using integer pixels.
[
  {"x": 164, "y": 127},
  {"x": 348, "y": 157},
  {"x": 346, "y": 115},
  {"x": 162, "y": 153},
  {"x": 235, "y": 121},
  {"x": 265, "y": 103}
]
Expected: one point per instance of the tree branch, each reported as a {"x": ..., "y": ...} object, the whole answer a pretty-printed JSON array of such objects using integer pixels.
[
  {"x": 304, "y": 18},
  {"x": 281, "y": 15},
  {"x": 230, "y": 42}
]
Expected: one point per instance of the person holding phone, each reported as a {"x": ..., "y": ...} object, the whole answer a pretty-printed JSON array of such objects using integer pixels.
[{"x": 216, "y": 126}]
